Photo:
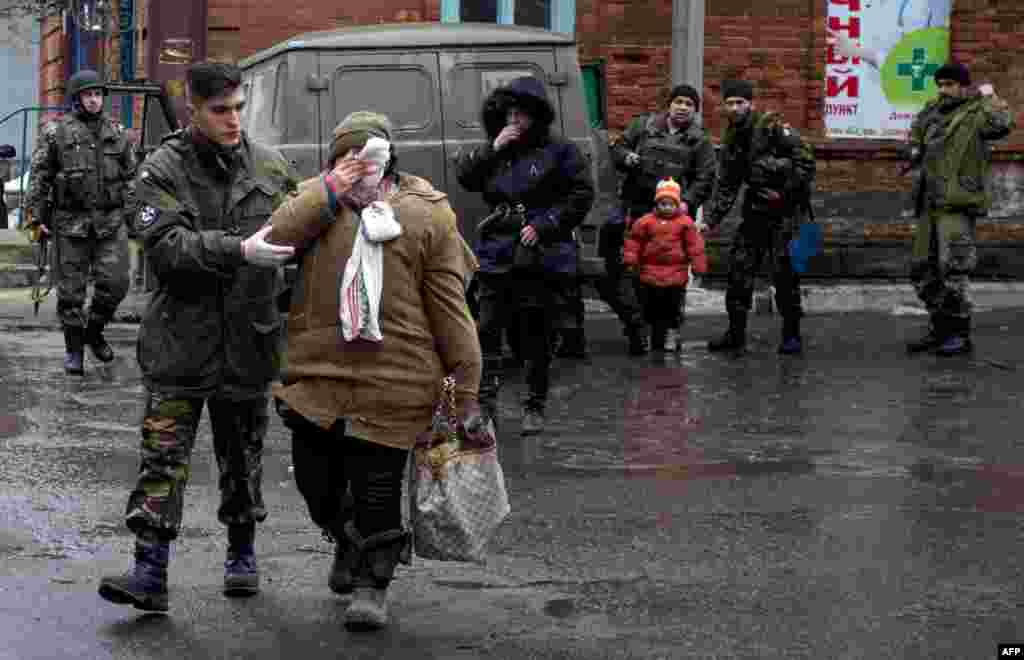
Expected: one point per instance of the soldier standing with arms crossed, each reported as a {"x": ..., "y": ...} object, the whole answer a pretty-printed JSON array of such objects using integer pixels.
[
  {"x": 761, "y": 150},
  {"x": 211, "y": 335},
  {"x": 80, "y": 188}
]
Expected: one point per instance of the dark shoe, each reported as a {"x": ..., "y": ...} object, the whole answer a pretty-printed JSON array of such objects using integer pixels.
[
  {"x": 533, "y": 421},
  {"x": 241, "y": 576},
  {"x": 368, "y": 610},
  {"x": 572, "y": 344},
  {"x": 791, "y": 346},
  {"x": 735, "y": 338},
  {"x": 101, "y": 350},
  {"x": 927, "y": 342},
  {"x": 637, "y": 338},
  {"x": 955, "y": 345},
  {"x": 74, "y": 347},
  {"x": 145, "y": 587}
]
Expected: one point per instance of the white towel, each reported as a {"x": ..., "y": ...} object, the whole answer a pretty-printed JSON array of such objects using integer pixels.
[{"x": 363, "y": 280}]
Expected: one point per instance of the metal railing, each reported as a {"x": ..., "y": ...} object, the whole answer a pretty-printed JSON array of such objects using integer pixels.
[{"x": 23, "y": 159}]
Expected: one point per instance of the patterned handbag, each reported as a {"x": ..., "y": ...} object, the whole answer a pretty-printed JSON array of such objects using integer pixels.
[{"x": 456, "y": 489}]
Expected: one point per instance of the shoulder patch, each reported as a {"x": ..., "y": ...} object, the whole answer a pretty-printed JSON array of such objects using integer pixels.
[{"x": 148, "y": 215}]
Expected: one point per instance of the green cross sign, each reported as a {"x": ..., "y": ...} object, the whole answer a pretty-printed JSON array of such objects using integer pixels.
[{"x": 918, "y": 70}]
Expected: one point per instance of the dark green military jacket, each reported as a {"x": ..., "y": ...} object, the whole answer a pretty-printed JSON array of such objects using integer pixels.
[
  {"x": 82, "y": 173},
  {"x": 766, "y": 154},
  {"x": 212, "y": 326},
  {"x": 951, "y": 140},
  {"x": 687, "y": 156}
]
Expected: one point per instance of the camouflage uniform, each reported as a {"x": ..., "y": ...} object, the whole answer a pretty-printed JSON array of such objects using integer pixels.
[
  {"x": 212, "y": 331},
  {"x": 950, "y": 141},
  {"x": 81, "y": 188},
  {"x": 767, "y": 154}
]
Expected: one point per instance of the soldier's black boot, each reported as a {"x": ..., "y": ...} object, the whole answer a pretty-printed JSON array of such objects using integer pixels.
[
  {"x": 241, "y": 576},
  {"x": 957, "y": 337},
  {"x": 377, "y": 557},
  {"x": 638, "y": 341},
  {"x": 928, "y": 341},
  {"x": 490, "y": 386},
  {"x": 145, "y": 586},
  {"x": 735, "y": 338},
  {"x": 101, "y": 350},
  {"x": 792, "y": 343},
  {"x": 74, "y": 349}
]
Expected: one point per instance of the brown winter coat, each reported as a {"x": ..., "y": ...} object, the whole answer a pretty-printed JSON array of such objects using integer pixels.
[{"x": 385, "y": 390}]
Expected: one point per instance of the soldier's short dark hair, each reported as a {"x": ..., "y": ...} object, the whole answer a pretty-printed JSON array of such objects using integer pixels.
[{"x": 207, "y": 80}]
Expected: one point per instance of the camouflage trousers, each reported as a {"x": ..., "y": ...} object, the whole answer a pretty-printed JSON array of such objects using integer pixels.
[
  {"x": 106, "y": 261},
  {"x": 758, "y": 237},
  {"x": 944, "y": 257},
  {"x": 168, "y": 437}
]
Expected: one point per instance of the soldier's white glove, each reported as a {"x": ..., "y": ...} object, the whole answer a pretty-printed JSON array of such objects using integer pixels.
[
  {"x": 258, "y": 252},
  {"x": 632, "y": 159}
]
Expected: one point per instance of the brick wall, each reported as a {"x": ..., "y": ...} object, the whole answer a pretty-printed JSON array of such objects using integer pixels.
[{"x": 51, "y": 62}]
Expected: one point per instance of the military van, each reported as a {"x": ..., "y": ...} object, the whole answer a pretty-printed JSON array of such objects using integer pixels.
[{"x": 431, "y": 80}]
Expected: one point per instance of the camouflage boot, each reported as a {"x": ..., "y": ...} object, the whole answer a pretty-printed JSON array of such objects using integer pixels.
[
  {"x": 74, "y": 349},
  {"x": 241, "y": 576},
  {"x": 145, "y": 587},
  {"x": 101, "y": 350},
  {"x": 377, "y": 557}
]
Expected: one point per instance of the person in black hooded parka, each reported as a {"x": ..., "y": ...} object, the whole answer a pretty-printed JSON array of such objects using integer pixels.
[{"x": 539, "y": 188}]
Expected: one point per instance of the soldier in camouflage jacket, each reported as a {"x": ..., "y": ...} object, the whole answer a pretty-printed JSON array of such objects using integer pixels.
[
  {"x": 211, "y": 335},
  {"x": 80, "y": 189},
  {"x": 950, "y": 142},
  {"x": 762, "y": 151}
]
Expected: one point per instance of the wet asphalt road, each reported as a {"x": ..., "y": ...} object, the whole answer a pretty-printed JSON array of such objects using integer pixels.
[{"x": 852, "y": 503}]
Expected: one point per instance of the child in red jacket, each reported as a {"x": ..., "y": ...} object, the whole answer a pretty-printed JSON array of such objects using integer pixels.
[{"x": 663, "y": 245}]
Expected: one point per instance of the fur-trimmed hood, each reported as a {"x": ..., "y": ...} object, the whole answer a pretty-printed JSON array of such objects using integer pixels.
[{"x": 526, "y": 92}]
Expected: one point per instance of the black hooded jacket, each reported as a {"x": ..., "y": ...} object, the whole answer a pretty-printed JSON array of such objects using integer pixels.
[{"x": 544, "y": 173}]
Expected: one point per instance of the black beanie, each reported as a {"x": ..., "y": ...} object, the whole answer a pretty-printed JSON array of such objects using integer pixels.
[
  {"x": 954, "y": 71},
  {"x": 686, "y": 91},
  {"x": 741, "y": 88}
]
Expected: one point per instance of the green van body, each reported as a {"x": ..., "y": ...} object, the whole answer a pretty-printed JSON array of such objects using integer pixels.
[{"x": 430, "y": 79}]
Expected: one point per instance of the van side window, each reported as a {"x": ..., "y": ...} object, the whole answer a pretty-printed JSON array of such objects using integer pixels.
[
  {"x": 472, "y": 83},
  {"x": 261, "y": 101},
  {"x": 387, "y": 90}
]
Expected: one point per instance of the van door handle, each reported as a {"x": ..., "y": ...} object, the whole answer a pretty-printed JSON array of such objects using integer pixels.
[
  {"x": 558, "y": 78},
  {"x": 315, "y": 83}
]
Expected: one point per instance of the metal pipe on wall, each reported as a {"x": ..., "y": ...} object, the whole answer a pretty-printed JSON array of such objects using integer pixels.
[{"x": 688, "y": 42}]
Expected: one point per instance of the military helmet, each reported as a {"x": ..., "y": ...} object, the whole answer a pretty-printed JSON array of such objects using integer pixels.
[{"x": 83, "y": 80}]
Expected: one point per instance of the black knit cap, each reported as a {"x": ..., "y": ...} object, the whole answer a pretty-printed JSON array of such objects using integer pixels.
[
  {"x": 954, "y": 71},
  {"x": 744, "y": 89},
  {"x": 686, "y": 91}
]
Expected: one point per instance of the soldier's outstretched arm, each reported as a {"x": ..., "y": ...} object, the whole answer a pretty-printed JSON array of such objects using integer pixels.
[
  {"x": 174, "y": 244},
  {"x": 44, "y": 168},
  {"x": 999, "y": 119}
]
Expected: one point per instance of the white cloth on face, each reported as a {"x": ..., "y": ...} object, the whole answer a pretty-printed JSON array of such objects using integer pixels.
[
  {"x": 362, "y": 283},
  {"x": 377, "y": 151}
]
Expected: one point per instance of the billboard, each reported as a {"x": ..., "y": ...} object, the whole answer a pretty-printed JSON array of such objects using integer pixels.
[{"x": 882, "y": 56}]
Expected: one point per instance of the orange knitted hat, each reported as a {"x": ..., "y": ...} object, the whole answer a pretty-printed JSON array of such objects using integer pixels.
[{"x": 668, "y": 188}]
